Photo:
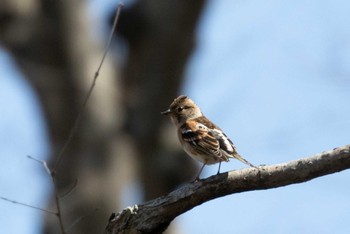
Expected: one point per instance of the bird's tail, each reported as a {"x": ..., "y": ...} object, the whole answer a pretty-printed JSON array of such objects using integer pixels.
[{"x": 240, "y": 158}]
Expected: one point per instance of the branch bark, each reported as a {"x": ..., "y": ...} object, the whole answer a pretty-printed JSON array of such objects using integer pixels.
[{"x": 154, "y": 216}]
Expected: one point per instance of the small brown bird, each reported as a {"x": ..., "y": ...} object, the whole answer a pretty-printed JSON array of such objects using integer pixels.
[{"x": 199, "y": 137}]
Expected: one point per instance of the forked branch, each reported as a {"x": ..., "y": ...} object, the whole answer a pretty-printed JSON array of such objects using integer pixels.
[{"x": 154, "y": 216}]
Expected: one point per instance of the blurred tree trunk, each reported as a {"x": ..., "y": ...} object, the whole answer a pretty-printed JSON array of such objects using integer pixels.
[
  {"x": 121, "y": 135},
  {"x": 50, "y": 41},
  {"x": 160, "y": 36}
]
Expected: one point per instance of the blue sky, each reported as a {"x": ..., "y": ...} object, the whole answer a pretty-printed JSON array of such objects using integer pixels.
[
  {"x": 22, "y": 133},
  {"x": 275, "y": 75}
]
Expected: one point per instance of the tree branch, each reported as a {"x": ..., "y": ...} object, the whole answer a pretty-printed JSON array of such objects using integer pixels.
[{"x": 155, "y": 215}]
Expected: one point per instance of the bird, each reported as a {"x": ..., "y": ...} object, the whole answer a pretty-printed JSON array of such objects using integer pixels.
[{"x": 200, "y": 138}]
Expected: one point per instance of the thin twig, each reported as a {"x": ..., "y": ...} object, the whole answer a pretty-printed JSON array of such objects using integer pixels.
[
  {"x": 27, "y": 205},
  {"x": 58, "y": 206},
  {"x": 57, "y": 198},
  {"x": 120, "y": 6},
  {"x": 80, "y": 113},
  {"x": 47, "y": 169},
  {"x": 80, "y": 219}
]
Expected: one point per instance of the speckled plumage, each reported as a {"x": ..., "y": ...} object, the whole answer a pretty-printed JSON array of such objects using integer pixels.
[{"x": 200, "y": 138}]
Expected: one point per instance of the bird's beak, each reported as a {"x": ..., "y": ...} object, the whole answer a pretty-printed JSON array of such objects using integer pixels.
[{"x": 166, "y": 112}]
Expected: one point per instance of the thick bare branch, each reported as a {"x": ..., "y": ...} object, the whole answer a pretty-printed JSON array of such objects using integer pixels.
[{"x": 155, "y": 215}]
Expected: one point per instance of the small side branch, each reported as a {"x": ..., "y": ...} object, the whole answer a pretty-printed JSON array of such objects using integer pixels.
[
  {"x": 44, "y": 163},
  {"x": 154, "y": 216},
  {"x": 27, "y": 205},
  {"x": 57, "y": 199}
]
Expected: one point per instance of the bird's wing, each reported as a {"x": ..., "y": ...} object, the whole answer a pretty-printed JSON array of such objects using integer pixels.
[
  {"x": 207, "y": 138},
  {"x": 201, "y": 138},
  {"x": 225, "y": 142},
  {"x": 227, "y": 147}
]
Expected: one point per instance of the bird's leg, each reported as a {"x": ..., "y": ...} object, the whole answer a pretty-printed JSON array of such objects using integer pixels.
[
  {"x": 200, "y": 171},
  {"x": 219, "y": 168}
]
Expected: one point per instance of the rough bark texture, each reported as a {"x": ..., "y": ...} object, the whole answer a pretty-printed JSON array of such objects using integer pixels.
[{"x": 154, "y": 216}]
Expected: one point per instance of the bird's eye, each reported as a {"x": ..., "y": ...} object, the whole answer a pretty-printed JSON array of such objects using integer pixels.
[{"x": 179, "y": 109}]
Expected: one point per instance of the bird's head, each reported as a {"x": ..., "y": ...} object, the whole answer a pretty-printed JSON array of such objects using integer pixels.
[{"x": 182, "y": 109}]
